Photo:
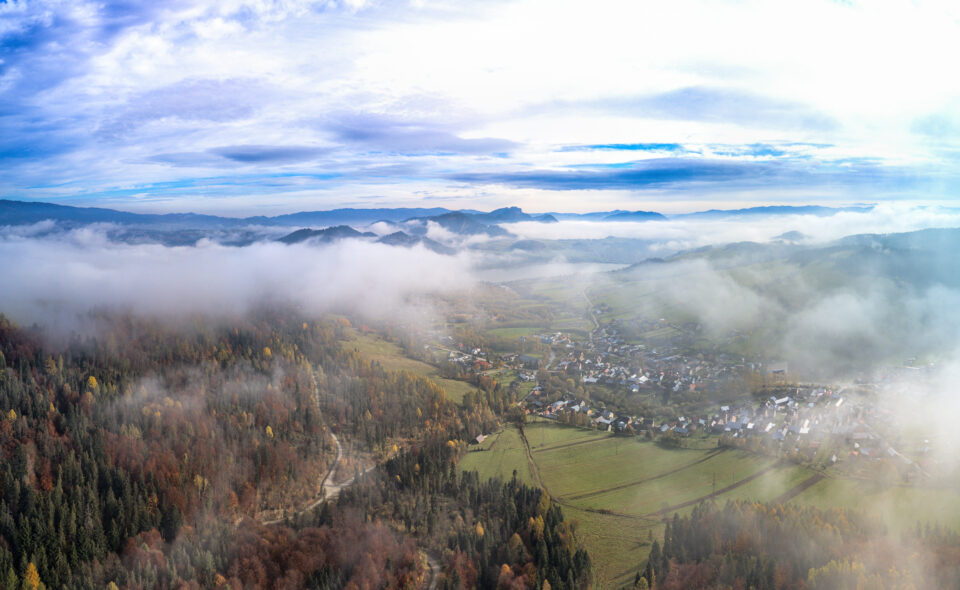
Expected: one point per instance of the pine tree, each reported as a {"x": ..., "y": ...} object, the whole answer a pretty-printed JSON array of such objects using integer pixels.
[
  {"x": 652, "y": 562},
  {"x": 11, "y": 580}
]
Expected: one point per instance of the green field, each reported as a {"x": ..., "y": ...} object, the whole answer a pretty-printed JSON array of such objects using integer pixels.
[
  {"x": 498, "y": 456},
  {"x": 513, "y": 333},
  {"x": 619, "y": 489},
  {"x": 392, "y": 358},
  {"x": 548, "y": 434}
]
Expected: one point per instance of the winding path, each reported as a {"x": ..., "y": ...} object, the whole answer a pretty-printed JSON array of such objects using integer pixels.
[
  {"x": 328, "y": 490},
  {"x": 433, "y": 567},
  {"x": 596, "y": 324}
]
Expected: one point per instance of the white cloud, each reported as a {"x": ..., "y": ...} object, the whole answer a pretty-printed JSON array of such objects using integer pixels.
[
  {"x": 54, "y": 280},
  {"x": 692, "y": 232}
]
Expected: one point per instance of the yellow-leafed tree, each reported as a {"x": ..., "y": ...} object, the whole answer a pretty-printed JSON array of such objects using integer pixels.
[{"x": 31, "y": 578}]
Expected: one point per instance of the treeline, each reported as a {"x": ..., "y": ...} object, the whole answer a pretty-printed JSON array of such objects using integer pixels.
[{"x": 761, "y": 546}]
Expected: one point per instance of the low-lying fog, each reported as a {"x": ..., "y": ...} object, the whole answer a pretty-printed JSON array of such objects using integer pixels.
[
  {"x": 51, "y": 277},
  {"x": 681, "y": 233}
]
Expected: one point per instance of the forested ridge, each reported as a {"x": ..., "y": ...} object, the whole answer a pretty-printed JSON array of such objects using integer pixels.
[{"x": 141, "y": 458}]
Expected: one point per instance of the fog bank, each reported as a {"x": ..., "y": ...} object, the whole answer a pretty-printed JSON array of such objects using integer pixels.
[{"x": 52, "y": 279}]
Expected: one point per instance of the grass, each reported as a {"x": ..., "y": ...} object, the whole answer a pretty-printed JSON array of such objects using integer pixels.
[
  {"x": 392, "y": 358},
  {"x": 513, "y": 333},
  {"x": 498, "y": 456},
  {"x": 544, "y": 434},
  {"x": 633, "y": 482},
  {"x": 618, "y": 547}
]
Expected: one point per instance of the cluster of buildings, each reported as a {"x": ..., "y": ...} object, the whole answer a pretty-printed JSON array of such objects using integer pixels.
[
  {"x": 607, "y": 359},
  {"x": 804, "y": 421},
  {"x": 467, "y": 360},
  {"x": 798, "y": 420},
  {"x": 568, "y": 408}
]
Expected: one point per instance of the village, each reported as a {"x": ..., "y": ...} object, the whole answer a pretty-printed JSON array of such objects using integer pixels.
[{"x": 820, "y": 425}]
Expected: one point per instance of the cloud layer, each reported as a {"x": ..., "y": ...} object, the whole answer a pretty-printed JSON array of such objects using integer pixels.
[
  {"x": 319, "y": 104},
  {"x": 687, "y": 232},
  {"x": 56, "y": 279}
]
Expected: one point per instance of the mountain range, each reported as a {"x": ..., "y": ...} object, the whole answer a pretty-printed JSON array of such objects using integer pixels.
[
  {"x": 437, "y": 229},
  {"x": 29, "y": 212}
]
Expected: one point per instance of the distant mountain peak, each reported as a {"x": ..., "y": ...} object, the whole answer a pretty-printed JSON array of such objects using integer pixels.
[
  {"x": 633, "y": 216},
  {"x": 405, "y": 240},
  {"x": 330, "y": 234},
  {"x": 458, "y": 222}
]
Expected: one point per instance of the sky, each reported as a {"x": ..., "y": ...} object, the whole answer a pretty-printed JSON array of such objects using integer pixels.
[{"x": 242, "y": 107}]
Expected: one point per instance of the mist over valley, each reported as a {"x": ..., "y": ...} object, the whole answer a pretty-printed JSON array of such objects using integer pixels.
[{"x": 451, "y": 295}]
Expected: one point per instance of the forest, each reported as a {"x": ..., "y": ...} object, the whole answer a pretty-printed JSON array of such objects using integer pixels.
[
  {"x": 144, "y": 455},
  {"x": 755, "y": 545}
]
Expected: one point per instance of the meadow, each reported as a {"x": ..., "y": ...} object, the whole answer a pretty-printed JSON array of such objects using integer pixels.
[{"x": 498, "y": 456}]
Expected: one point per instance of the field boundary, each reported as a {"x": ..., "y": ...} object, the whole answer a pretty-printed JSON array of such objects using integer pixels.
[
  {"x": 712, "y": 495},
  {"x": 637, "y": 482},
  {"x": 799, "y": 488},
  {"x": 570, "y": 444},
  {"x": 535, "y": 472}
]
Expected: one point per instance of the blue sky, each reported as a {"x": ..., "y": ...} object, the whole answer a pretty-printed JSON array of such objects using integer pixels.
[{"x": 257, "y": 106}]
